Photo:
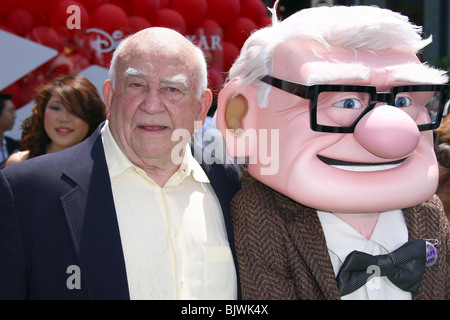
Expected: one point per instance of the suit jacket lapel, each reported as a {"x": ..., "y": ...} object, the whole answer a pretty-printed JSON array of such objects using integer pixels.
[
  {"x": 91, "y": 216},
  {"x": 307, "y": 234},
  {"x": 421, "y": 221}
]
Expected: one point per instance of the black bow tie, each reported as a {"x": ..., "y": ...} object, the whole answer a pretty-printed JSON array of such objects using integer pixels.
[{"x": 404, "y": 267}]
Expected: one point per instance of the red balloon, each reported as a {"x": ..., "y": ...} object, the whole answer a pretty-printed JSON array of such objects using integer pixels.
[
  {"x": 104, "y": 60},
  {"x": 61, "y": 65},
  {"x": 31, "y": 83},
  {"x": 230, "y": 53},
  {"x": 169, "y": 18},
  {"x": 91, "y": 5},
  {"x": 193, "y": 11},
  {"x": 145, "y": 8},
  {"x": 210, "y": 27},
  {"x": 254, "y": 10},
  {"x": 34, "y": 6},
  {"x": 47, "y": 36},
  {"x": 137, "y": 23},
  {"x": 215, "y": 80},
  {"x": 109, "y": 18},
  {"x": 87, "y": 47},
  {"x": 40, "y": 19},
  {"x": 211, "y": 30},
  {"x": 223, "y": 11},
  {"x": 5, "y": 28},
  {"x": 239, "y": 31},
  {"x": 164, "y": 4},
  {"x": 124, "y": 4},
  {"x": 59, "y": 19},
  {"x": 7, "y": 6},
  {"x": 20, "y": 21},
  {"x": 265, "y": 22},
  {"x": 79, "y": 62}
]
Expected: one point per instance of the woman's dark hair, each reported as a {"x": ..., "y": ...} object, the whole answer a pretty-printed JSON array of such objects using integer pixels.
[{"x": 78, "y": 95}]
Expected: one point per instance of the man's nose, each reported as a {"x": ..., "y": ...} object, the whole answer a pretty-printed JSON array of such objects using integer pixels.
[
  {"x": 152, "y": 102},
  {"x": 387, "y": 132}
]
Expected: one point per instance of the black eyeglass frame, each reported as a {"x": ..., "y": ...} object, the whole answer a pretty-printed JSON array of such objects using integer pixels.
[{"x": 312, "y": 93}]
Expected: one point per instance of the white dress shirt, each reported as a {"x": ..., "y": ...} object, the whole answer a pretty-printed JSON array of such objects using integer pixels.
[
  {"x": 389, "y": 234},
  {"x": 173, "y": 237},
  {"x": 3, "y": 150}
]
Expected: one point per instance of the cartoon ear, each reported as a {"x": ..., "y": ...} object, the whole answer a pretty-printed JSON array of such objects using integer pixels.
[
  {"x": 236, "y": 118},
  {"x": 235, "y": 111}
]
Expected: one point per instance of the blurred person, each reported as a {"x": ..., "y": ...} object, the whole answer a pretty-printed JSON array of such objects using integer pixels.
[
  {"x": 66, "y": 111},
  {"x": 7, "y": 118},
  {"x": 128, "y": 213}
]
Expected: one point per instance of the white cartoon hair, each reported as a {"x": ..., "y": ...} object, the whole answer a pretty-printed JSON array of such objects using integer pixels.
[{"x": 356, "y": 27}]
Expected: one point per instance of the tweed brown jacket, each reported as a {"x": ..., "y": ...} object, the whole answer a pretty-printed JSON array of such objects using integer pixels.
[{"x": 282, "y": 251}]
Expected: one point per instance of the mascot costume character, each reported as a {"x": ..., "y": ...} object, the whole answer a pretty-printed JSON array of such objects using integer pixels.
[{"x": 334, "y": 113}]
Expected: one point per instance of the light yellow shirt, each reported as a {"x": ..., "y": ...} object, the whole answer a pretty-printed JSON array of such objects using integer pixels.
[{"x": 173, "y": 237}]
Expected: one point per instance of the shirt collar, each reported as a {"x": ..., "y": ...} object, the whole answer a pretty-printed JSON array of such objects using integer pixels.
[
  {"x": 118, "y": 162},
  {"x": 390, "y": 233}
]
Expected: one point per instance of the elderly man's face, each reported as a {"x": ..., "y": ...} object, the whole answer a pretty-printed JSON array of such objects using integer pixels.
[
  {"x": 385, "y": 164},
  {"x": 155, "y": 94}
]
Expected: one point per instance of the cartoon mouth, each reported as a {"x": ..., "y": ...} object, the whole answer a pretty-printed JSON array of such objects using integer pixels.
[{"x": 360, "y": 166}]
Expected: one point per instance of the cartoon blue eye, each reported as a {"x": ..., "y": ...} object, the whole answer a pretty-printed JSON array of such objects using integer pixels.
[
  {"x": 348, "y": 104},
  {"x": 402, "y": 102}
]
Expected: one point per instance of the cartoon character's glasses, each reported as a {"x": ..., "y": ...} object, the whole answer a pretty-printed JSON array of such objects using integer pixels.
[{"x": 338, "y": 108}]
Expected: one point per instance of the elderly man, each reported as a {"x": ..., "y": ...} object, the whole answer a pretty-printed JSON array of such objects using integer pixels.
[
  {"x": 354, "y": 110},
  {"x": 128, "y": 213}
]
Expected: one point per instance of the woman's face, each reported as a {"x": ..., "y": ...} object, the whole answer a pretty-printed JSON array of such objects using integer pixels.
[{"x": 63, "y": 128}]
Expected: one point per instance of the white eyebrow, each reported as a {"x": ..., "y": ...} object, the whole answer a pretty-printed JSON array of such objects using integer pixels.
[
  {"x": 131, "y": 72},
  {"x": 178, "y": 79},
  {"x": 327, "y": 72},
  {"x": 418, "y": 73}
]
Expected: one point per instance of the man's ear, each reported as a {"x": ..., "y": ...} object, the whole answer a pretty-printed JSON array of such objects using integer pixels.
[
  {"x": 205, "y": 105},
  {"x": 108, "y": 96},
  {"x": 236, "y": 118}
]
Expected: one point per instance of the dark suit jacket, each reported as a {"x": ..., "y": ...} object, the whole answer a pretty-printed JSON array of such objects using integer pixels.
[
  {"x": 282, "y": 251},
  {"x": 12, "y": 145},
  {"x": 57, "y": 211}
]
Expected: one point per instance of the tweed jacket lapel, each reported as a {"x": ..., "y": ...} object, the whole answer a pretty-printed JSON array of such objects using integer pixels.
[
  {"x": 428, "y": 221},
  {"x": 307, "y": 235}
]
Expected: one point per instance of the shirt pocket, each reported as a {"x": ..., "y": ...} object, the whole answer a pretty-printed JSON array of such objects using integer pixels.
[{"x": 220, "y": 273}]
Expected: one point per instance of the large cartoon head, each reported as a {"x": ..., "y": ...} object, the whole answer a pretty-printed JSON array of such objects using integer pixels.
[{"x": 333, "y": 108}]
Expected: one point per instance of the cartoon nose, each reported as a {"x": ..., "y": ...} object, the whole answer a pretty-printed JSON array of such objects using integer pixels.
[{"x": 387, "y": 132}]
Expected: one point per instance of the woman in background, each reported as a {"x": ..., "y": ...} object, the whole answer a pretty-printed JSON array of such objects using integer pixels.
[{"x": 66, "y": 111}]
